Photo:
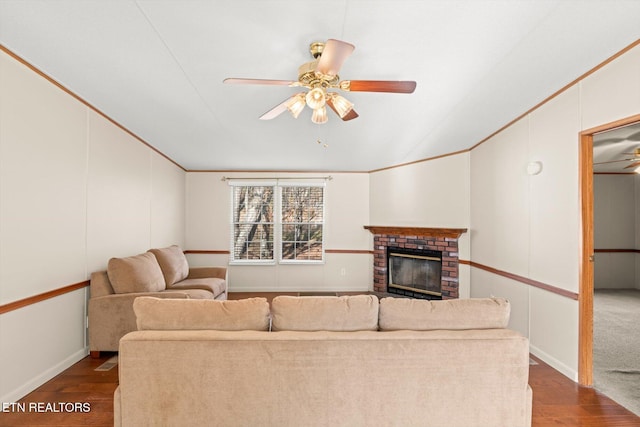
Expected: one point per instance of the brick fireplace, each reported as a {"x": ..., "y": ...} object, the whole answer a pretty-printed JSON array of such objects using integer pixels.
[{"x": 444, "y": 240}]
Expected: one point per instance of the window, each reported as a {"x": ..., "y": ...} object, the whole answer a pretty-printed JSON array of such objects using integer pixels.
[
  {"x": 253, "y": 226},
  {"x": 302, "y": 221},
  {"x": 284, "y": 222}
]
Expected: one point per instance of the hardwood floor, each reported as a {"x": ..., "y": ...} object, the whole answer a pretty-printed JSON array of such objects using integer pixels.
[
  {"x": 557, "y": 401},
  {"x": 81, "y": 383}
]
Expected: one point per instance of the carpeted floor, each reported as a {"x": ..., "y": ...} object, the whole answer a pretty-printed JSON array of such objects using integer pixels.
[{"x": 616, "y": 345}]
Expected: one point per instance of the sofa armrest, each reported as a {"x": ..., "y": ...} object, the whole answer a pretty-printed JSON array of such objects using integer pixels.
[
  {"x": 112, "y": 316},
  {"x": 204, "y": 272},
  {"x": 100, "y": 284}
]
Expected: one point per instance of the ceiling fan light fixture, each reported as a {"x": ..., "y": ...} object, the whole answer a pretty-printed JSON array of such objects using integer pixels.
[
  {"x": 296, "y": 105},
  {"x": 316, "y": 98},
  {"x": 342, "y": 105},
  {"x": 319, "y": 115}
]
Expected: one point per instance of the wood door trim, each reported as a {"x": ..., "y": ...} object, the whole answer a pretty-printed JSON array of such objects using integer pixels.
[
  {"x": 587, "y": 250},
  {"x": 585, "y": 296}
]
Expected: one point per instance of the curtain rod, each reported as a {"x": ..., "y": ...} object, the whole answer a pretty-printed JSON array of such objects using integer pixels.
[{"x": 228, "y": 178}]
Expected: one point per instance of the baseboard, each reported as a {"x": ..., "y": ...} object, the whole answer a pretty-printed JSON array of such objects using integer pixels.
[
  {"x": 34, "y": 383},
  {"x": 554, "y": 363}
]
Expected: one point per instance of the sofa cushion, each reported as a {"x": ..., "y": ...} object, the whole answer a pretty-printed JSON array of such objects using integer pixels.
[
  {"x": 193, "y": 293},
  {"x": 173, "y": 264},
  {"x": 201, "y": 314},
  {"x": 212, "y": 284},
  {"x": 139, "y": 273},
  {"x": 454, "y": 314},
  {"x": 346, "y": 313}
]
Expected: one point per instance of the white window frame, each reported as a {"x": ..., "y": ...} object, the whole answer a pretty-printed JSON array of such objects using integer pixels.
[
  {"x": 277, "y": 222},
  {"x": 232, "y": 244}
]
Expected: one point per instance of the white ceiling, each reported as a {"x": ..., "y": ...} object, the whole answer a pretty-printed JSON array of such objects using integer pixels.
[{"x": 156, "y": 67}]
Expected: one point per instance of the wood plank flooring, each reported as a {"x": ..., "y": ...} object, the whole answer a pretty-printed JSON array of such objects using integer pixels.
[
  {"x": 81, "y": 383},
  {"x": 557, "y": 401}
]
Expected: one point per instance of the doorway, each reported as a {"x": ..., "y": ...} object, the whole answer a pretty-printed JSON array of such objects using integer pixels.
[
  {"x": 585, "y": 345},
  {"x": 616, "y": 297}
]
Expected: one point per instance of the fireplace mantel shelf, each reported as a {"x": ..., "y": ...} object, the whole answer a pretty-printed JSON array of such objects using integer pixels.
[{"x": 416, "y": 231}]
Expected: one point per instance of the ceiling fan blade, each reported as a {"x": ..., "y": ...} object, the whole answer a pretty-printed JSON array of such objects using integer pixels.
[
  {"x": 612, "y": 161},
  {"x": 349, "y": 116},
  {"x": 391, "y": 86},
  {"x": 633, "y": 165},
  {"x": 278, "y": 109},
  {"x": 275, "y": 111},
  {"x": 257, "y": 82},
  {"x": 333, "y": 55}
]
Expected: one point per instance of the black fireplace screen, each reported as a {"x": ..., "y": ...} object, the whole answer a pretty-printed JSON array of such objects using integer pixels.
[{"x": 414, "y": 272}]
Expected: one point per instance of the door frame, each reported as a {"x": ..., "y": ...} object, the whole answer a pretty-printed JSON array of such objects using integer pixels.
[{"x": 585, "y": 296}]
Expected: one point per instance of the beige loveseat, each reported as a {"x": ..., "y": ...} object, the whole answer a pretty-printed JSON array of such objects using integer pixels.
[
  {"x": 162, "y": 273},
  {"x": 327, "y": 361}
]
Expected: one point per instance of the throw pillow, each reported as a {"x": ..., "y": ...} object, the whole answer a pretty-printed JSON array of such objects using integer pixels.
[
  {"x": 139, "y": 273},
  {"x": 173, "y": 264}
]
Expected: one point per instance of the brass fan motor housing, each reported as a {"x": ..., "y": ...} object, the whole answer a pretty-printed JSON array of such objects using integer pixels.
[
  {"x": 307, "y": 74},
  {"x": 316, "y": 49}
]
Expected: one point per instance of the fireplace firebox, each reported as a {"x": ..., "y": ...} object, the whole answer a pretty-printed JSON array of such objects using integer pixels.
[{"x": 416, "y": 273}]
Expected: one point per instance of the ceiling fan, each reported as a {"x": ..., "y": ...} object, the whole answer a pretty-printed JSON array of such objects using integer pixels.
[
  {"x": 635, "y": 157},
  {"x": 320, "y": 77}
]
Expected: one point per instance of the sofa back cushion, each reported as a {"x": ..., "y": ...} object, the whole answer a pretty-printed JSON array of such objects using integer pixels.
[
  {"x": 139, "y": 273},
  {"x": 173, "y": 264},
  {"x": 454, "y": 314},
  {"x": 346, "y": 313},
  {"x": 201, "y": 314}
]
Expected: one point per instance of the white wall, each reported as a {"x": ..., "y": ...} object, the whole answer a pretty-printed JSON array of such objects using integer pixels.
[
  {"x": 615, "y": 227},
  {"x": 75, "y": 190},
  {"x": 530, "y": 225},
  {"x": 433, "y": 193},
  {"x": 526, "y": 225},
  {"x": 347, "y": 212}
]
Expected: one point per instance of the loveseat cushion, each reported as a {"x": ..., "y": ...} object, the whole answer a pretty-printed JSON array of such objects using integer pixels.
[
  {"x": 453, "y": 314},
  {"x": 201, "y": 314},
  {"x": 173, "y": 263},
  {"x": 139, "y": 273},
  {"x": 340, "y": 314},
  {"x": 212, "y": 284}
]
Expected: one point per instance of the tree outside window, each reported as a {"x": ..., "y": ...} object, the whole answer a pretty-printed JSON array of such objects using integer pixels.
[
  {"x": 295, "y": 227},
  {"x": 253, "y": 226},
  {"x": 302, "y": 223}
]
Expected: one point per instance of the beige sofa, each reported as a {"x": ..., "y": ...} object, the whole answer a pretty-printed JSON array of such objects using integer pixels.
[
  {"x": 162, "y": 273},
  {"x": 327, "y": 361}
]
